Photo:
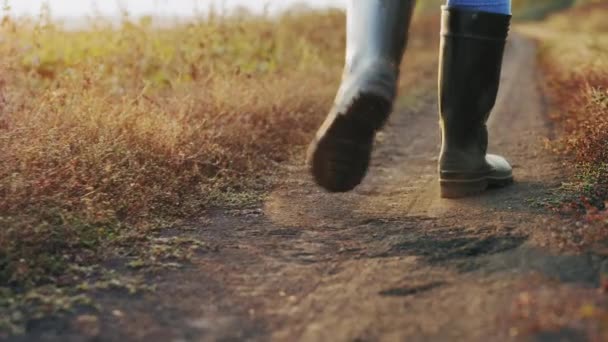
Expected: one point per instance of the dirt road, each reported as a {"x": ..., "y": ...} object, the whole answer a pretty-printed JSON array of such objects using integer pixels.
[{"x": 390, "y": 261}]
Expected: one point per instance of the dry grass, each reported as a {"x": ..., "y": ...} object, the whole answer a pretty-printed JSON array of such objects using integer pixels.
[
  {"x": 574, "y": 61},
  {"x": 574, "y": 46},
  {"x": 107, "y": 134},
  {"x": 110, "y": 132},
  {"x": 129, "y": 122}
]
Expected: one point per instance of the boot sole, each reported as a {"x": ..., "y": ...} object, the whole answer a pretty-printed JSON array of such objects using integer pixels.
[
  {"x": 467, "y": 188},
  {"x": 340, "y": 155}
]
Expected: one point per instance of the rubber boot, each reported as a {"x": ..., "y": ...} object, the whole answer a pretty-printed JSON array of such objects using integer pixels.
[
  {"x": 377, "y": 31},
  {"x": 472, "y": 48}
]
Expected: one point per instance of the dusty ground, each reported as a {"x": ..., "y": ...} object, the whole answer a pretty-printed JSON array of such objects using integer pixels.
[{"x": 388, "y": 262}]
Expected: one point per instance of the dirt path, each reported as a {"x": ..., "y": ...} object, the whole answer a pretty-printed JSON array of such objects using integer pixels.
[{"x": 388, "y": 262}]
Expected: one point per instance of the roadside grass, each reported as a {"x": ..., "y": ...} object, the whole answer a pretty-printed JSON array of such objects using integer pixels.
[
  {"x": 575, "y": 70},
  {"x": 110, "y": 136},
  {"x": 573, "y": 58}
]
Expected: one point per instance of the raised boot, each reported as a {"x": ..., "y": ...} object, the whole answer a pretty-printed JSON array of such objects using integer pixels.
[
  {"x": 472, "y": 48},
  {"x": 377, "y": 30}
]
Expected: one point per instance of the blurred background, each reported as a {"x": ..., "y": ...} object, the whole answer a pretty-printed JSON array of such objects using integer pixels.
[{"x": 75, "y": 9}]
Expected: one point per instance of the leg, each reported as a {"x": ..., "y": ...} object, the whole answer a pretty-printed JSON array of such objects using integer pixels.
[
  {"x": 472, "y": 46},
  {"x": 491, "y": 6},
  {"x": 376, "y": 37}
]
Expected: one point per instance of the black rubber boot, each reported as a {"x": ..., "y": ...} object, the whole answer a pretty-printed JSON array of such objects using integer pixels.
[
  {"x": 377, "y": 34},
  {"x": 472, "y": 48}
]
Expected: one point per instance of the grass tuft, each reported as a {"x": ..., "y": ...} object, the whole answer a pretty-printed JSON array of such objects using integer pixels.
[
  {"x": 108, "y": 134},
  {"x": 576, "y": 79}
]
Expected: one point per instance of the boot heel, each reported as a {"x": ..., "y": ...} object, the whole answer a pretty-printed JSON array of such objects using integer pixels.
[{"x": 455, "y": 189}]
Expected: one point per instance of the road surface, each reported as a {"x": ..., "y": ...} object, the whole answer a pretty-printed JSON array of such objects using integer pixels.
[{"x": 389, "y": 261}]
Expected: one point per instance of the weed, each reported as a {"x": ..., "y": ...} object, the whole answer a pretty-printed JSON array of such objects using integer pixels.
[
  {"x": 111, "y": 132},
  {"x": 577, "y": 82}
]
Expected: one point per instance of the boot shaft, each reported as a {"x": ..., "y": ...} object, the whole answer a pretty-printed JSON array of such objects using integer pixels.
[
  {"x": 377, "y": 33},
  {"x": 377, "y": 29},
  {"x": 376, "y": 40},
  {"x": 471, "y": 55}
]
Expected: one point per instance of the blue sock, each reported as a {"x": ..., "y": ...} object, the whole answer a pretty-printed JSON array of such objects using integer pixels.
[{"x": 492, "y": 6}]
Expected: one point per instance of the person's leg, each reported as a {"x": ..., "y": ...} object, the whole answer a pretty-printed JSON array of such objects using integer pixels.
[
  {"x": 472, "y": 47},
  {"x": 491, "y": 6},
  {"x": 376, "y": 38}
]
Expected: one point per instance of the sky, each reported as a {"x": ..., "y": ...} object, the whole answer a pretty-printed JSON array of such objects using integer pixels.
[{"x": 79, "y": 8}]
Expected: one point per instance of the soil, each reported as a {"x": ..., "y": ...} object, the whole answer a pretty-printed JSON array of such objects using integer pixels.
[{"x": 390, "y": 261}]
